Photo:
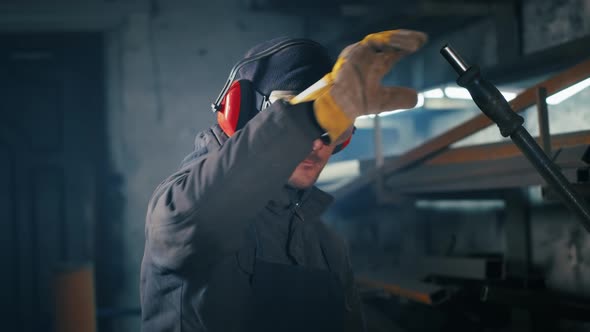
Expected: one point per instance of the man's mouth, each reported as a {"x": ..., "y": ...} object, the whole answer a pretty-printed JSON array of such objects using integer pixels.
[{"x": 311, "y": 160}]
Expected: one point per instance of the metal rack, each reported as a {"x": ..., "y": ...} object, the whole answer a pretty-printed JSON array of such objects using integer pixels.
[{"x": 433, "y": 170}]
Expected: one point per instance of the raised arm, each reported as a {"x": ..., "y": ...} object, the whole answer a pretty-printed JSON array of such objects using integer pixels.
[{"x": 201, "y": 212}]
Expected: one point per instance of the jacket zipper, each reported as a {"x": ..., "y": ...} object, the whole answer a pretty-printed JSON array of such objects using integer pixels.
[{"x": 297, "y": 213}]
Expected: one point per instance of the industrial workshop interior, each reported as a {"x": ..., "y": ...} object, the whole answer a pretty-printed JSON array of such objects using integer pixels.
[{"x": 469, "y": 211}]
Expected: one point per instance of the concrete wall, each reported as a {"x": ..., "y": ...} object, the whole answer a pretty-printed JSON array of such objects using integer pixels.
[
  {"x": 549, "y": 23},
  {"x": 497, "y": 41},
  {"x": 165, "y": 64}
]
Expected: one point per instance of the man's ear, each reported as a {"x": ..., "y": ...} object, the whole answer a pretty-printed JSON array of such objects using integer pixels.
[
  {"x": 344, "y": 139},
  {"x": 346, "y": 135},
  {"x": 281, "y": 95}
]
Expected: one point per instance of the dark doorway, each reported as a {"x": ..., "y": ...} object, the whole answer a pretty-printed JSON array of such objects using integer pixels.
[{"x": 53, "y": 154}]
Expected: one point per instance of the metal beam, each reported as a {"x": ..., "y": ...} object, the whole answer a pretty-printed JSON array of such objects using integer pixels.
[
  {"x": 75, "y": 15},
  {"x": 543, "y": 117},
  {"x": 486, "y": 152},
  {"x": 517, "y": 231},
  {"x": 413, "y": 290},
  {"x": 495, "y": 151},
  {"x": 512, "y": 172},
  {"x": 432, "y": 17},
  {"x": 462, "y": 268},
  {"x": 522, "y": 101},
  {"x": 538, "y": 300}
]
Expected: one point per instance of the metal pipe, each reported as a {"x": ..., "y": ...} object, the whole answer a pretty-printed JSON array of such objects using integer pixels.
[
  {"x": 491, "y": 102},
  {"x": 378, "y": 137},
  {"x": 454, "y": 59},
  {"x": 551, "y": 173},
  {"x": 543, "y": 118}
]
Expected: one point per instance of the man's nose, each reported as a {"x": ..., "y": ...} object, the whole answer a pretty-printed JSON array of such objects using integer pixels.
[{"x": 317, "y": 145}]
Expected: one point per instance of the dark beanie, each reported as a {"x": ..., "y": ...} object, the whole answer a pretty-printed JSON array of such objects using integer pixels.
[{"x": 293, "y": 68}]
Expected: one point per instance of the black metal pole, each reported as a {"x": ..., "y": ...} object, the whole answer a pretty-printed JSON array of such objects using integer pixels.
[{"x": 492, "y": 103}]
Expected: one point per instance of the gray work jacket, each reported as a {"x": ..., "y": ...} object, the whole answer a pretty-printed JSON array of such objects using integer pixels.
[{"x": 199, "y": 221}]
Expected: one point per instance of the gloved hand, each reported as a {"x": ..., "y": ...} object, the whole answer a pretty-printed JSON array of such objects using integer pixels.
[{"x": 353, "y": 87}]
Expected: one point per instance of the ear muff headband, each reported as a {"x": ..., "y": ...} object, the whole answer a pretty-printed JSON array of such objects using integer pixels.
[
  {"x": 263, "y": 54},
  {"x": 344, "y": 144},
  {"x": 233, "y": 118}
]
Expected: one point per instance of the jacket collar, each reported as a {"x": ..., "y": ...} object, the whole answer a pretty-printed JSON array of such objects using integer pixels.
[
  {"x": 311, "y": 202},
  {"x": 318, "y": 201}
]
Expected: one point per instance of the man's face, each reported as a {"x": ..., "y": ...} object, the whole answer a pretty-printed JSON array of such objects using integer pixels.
[{"x": 308, "y": 171}]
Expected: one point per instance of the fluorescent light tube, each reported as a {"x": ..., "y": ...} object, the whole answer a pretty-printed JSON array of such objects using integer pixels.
[
  {"x": 457, "y": 93},
  {"x": 564, "y": 94},
  {"x": 434, "y": 93}
]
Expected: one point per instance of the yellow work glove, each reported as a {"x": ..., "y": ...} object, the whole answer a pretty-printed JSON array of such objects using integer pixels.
[{"x": 353, "y": 87}]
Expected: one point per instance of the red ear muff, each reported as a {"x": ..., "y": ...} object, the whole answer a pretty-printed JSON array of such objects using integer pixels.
[
  {"x": 237, "y": 107},
  {"x": 341, "y": 147},
  {"x": 344, "y": 144}
]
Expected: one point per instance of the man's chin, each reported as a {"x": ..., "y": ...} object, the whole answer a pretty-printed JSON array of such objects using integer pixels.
[{"x": 299, "y": 184}]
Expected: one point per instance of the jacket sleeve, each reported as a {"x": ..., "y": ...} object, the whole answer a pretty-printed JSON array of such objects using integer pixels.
[{"x": 200, "y": 212}]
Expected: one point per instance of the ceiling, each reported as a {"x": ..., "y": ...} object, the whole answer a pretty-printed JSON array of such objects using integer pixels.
[{"x": 360, "y": 17}]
